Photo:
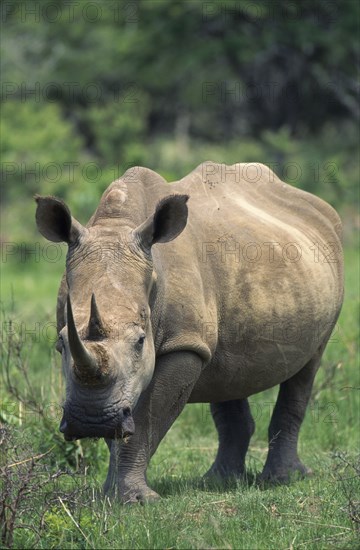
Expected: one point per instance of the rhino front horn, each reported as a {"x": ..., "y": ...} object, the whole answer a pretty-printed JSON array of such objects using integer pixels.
[
  {"x": 96, "y": 329},
  {"x": 85, "y": 362}
]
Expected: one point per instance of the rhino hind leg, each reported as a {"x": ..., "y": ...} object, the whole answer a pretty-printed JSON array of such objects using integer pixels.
[
  {"x": 235, "y": 426},
  {"x": 282, "y": 461}
]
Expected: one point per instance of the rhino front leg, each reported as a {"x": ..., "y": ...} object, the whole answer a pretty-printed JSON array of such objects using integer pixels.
[
  {"x": 294, "y": 394},
  {"x": 174, "y": 378}
]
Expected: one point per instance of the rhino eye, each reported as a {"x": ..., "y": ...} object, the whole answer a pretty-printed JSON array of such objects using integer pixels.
[
  {"x": 59, "y": 344},
  {"x": 140, "y": 341}
]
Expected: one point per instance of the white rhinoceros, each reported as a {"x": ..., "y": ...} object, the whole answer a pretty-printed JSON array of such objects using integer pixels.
[{"x": 211, "y": 289}]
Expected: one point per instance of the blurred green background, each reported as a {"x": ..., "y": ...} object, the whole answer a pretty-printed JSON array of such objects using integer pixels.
[{"x": 91, "y": 88}]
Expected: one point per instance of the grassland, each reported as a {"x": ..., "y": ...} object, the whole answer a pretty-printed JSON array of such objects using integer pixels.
[{"x": 65, "y": 510}]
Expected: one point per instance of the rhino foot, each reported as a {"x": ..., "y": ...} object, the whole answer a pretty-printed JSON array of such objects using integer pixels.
[
  {"x": 282, "y": 475},
  {"x": 131, "y": 494},
  {"x": 222, "y": 472},
  {"x": 143, "y": 495}
]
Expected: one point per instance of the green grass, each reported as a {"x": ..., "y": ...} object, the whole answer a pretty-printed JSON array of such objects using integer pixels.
[{"x": 320, "y": 512}]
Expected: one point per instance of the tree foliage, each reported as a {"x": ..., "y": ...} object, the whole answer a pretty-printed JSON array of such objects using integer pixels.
[{"x": 162, "y": 83}]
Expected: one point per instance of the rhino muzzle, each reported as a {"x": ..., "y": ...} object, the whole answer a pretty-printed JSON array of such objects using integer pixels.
[{"x": 122, "y": 426}]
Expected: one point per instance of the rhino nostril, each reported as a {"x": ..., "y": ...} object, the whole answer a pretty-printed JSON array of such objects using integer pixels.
[
  {"x": 126, "y": 412},
  {"x": 63, "y": 426},
  {"x": 127, "y": 425}
]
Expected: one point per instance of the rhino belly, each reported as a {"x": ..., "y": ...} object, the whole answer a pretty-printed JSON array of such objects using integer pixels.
[{"x": 255, "y": 360}]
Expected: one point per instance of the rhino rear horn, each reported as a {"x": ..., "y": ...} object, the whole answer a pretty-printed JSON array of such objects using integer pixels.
[
  {"x": 96, "y": 329},
  {"x": 85, "y": 362}
]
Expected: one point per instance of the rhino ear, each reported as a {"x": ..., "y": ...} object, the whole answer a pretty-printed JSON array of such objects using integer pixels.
[
  {"x": 166, "y": 223},
  {"x": 54, "y": 220}
]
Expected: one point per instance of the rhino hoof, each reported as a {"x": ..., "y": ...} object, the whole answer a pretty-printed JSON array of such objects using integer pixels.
[
  {"x": 284, "y": 476},
  {"x": 224, "y": 473},
  {"x": 142, "y": 496}
]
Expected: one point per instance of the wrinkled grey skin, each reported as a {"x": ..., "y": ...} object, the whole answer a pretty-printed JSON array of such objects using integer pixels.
[{"x": 194, "y": 305}]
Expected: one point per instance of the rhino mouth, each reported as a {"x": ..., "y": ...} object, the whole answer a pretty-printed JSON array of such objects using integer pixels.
[{"x": 123, "y": 428}]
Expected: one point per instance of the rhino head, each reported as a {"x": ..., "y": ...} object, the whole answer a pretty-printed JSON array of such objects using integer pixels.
[{"x": 106, "y": 343}]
